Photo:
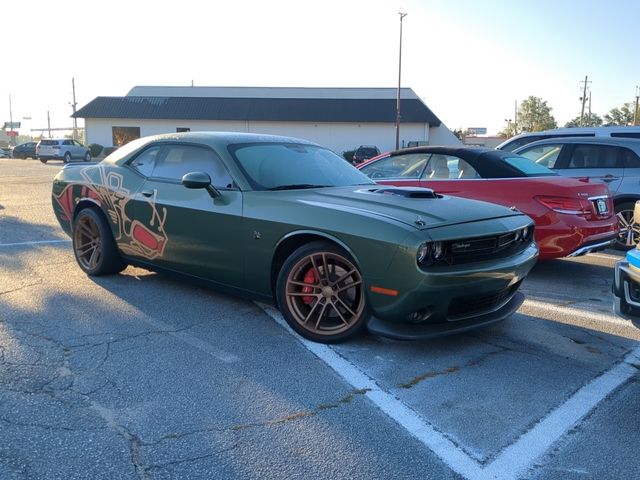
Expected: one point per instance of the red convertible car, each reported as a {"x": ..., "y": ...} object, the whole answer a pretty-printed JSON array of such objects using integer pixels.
[{"x": 572, "y": 216}]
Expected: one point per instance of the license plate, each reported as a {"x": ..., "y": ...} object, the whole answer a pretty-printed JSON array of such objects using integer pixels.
[{"x": 602, "y": 206}]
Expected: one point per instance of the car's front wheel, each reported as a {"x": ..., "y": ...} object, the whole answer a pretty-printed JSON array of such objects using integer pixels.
[
  {"x": 629, "y": 233},
  {"x": 93, "y": 244},
  {"x": 87, "y": 157},
  {"x": 321, "y": 294}
]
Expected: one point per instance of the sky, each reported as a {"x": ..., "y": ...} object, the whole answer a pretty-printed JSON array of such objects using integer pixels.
[{"x": 469, "y": 61}]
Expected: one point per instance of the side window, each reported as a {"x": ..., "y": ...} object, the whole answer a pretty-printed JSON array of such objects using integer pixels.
[
  {"x": 545, "y": 155},
  {"x": 438, "y": 168},
  {"x": 466, "y": 171},
  {"x": 146, "y": 160},
  {"x": 594, "y": 156},
  {"x": 67, "y": 142},
  {"x": 182, "y": 159},
  {"x": 405, "y": 167},
  {"x": 630, "y": 159}
]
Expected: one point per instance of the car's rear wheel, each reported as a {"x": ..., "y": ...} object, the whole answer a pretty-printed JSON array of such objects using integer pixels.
[
  {"x": 87, "y": 157},
  {"x": 629, "y": 234},
  {"x": 67, "y": 157},
  {"x": 43, "y": 160},
  {"x": 321, "y": 294},
  {"x": 93, "y": 244}
]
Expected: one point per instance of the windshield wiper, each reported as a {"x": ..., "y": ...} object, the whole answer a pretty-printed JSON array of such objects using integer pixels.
[{"x": 296, "y": 186}]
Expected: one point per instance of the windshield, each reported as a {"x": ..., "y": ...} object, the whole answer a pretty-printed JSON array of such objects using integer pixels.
[
  {"x": 281, "y": 166},
  {"x": 528, "y": 166}
]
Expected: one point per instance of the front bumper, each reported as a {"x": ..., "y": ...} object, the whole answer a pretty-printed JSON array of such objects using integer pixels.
[
  {"x": 408, "y": 331},
  {"x": 626, "y": 291}
]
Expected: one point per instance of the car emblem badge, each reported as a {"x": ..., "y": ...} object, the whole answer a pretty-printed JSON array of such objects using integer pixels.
[
  {"x": 419, "y": 221},
  {"x": 257, "y": 235}
]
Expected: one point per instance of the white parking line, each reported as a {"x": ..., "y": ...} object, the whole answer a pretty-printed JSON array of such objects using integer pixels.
[
  {"x": 515, "y": 459},
  {"x": 40, "y": 242},
  {"x": 574, "y": 312}
]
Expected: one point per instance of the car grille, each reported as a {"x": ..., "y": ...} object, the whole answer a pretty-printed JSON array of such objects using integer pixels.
[
  {"x": 471, "y": 305},
  {"x": 463, "y": 251}
]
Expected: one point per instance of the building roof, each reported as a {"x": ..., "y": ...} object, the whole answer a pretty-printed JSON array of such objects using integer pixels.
[{"x": 262, "y": 104}]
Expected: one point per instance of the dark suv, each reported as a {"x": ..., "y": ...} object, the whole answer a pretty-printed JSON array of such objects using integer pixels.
[
  {"x": 612, "y": 161},
  {"x": 364, "y": 152}
]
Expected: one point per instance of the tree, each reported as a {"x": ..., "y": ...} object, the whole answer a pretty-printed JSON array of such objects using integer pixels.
[
  {"x": 459, "y": 133},
  {"x": 534, "y": 115},
  {"x": 589, "y": 120},
  {"x": 620, "y": 116}
]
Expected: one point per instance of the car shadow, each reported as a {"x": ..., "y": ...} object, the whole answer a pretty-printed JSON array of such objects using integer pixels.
[{"x": 17, "y": 235}]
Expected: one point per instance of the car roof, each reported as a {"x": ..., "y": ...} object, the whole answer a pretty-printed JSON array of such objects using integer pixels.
[
  {"x": 633, "y": 143},
  {"x": 462, "y": 152}
]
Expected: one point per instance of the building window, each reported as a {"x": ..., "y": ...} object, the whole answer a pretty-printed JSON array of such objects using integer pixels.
[
  {"x": 123, "y": 135},
  {"x": 182, "y": 129}
]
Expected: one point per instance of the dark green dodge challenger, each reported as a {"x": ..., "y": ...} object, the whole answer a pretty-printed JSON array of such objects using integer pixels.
[{"x": 285, "y": 220}]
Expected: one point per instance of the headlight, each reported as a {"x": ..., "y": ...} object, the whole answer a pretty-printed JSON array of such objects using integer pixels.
[
  {"x": 429, "y": 252},
  {"x": 424, "y": 253}
]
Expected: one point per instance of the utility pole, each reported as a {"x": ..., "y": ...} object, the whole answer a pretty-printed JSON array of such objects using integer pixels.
[
  {"x": 635, "y": 112},
  {"x": 583, "y": 99},
  {"x": 49, "y": 123},
  {"x": 11, "y": 141},
  {"x": 402, "y": 15},
  {"x": 515, "y": 117},
  {"x": 73, "y": 105}
]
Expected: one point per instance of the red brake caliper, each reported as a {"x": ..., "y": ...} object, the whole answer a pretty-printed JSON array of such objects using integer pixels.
[{"x": 309, "y": 277}]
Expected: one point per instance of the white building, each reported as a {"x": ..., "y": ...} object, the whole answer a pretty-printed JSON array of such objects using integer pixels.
[{"x": 338, "y": 118}]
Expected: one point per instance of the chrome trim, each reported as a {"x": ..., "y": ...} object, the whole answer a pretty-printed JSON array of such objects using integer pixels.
[
  {"x": 599, "y": 197},
  {"x": 591, "y": 248}
]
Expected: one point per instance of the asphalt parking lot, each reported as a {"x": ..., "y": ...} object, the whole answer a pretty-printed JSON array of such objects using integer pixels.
[{"x": 139, "y": 376}]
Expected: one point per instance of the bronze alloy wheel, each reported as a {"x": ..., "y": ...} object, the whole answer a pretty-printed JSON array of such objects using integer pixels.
[
  {"x": 93, "y": 244},
  {"x": 324, "y": 295},
  {"x": 87, "y": 243}
]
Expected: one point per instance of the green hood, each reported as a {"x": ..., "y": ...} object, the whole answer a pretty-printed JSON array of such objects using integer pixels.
[{"x": 420, "y": 213}]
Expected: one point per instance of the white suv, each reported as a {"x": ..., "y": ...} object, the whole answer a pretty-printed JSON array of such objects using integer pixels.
[
  {"x": 525, "y": 138},
  {"x": 64, "y": 149}
]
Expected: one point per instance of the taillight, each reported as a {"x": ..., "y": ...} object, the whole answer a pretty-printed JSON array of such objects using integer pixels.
[{"x": 567, "y": 205}]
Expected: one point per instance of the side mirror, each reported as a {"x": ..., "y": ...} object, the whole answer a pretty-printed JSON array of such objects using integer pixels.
[{"x": 200, "y": 180}]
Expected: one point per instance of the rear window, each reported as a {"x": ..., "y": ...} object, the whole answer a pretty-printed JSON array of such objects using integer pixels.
[
  {"x": 48, "y": 142},
  {"x": 528, "y": 166}
]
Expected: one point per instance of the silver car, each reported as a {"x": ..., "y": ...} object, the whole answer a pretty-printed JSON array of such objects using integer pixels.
[
  {"x": 64, "y": 149},
  {"x": 613, "y": 161}
]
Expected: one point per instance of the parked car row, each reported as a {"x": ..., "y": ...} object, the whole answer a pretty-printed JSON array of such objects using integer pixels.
[
  {"x": 414, "y": 243},
  {"x": 64, "y": 149}
]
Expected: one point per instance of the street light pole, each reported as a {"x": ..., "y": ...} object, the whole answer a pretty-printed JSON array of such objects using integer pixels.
[
  {"x": 402, "y": 15},
  {"x": 635, "y": 111}
]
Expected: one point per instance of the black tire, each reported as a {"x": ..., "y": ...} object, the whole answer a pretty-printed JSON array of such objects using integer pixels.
[
  {"x": 67, "y": 157},
  {"x": 43, "y": 160},
  {"x": 629, "y": 230},
  {"x": 321, "y": 293},
  {"x": 93, "y": 244},
  {"x": 87, "y": 157}
]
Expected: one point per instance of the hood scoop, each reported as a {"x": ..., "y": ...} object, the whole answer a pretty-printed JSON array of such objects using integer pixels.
[{"x": 407, "y": 192}]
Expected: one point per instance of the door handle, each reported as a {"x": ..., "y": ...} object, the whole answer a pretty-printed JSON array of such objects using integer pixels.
[
  {"x": 609, "y": 178},
  {"x": 147, "y": 193}
]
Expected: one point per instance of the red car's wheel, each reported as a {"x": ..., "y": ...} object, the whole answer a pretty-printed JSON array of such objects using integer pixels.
[{"x": 321, "y": 293}]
